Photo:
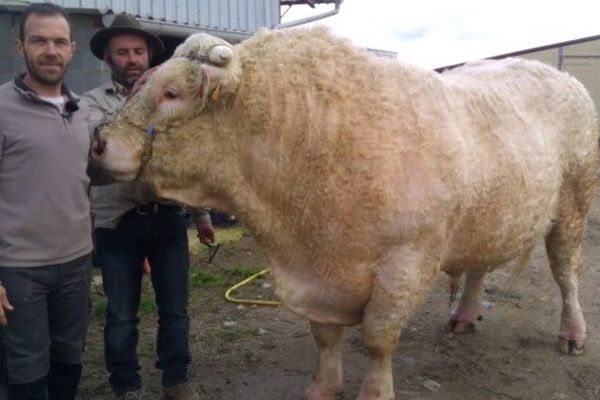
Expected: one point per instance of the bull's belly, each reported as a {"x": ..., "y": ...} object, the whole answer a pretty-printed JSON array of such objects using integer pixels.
[
  {"x": 326, "y": 298},
  {"x": 487, "y": 246},
  {"x": 506, "y": 222}
]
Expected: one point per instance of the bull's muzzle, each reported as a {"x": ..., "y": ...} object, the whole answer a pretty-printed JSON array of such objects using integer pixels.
[{"x": 122, "y": 158}]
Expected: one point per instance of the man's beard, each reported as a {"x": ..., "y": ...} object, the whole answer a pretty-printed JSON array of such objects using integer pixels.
[
  {"x": 47, "y": 79},
  {"x": 121, "y": 77}
]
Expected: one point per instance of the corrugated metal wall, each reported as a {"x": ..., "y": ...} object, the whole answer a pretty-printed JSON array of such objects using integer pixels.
[{"x": 234, "y": 15}]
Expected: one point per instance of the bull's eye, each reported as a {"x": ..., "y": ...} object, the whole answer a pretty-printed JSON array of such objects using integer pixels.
[{"x": 171, "y": 94}]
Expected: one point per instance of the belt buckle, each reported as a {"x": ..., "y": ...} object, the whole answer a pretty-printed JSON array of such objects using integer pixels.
[
  {"x": 146, "y": 209},
  {"x": 140, "y": 210}
]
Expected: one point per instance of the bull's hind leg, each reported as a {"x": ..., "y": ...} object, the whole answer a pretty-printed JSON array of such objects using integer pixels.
[
  {"x": 327, "y": 379},
  {"x": 565, "y": 261},
  {"x": 563, "y": 245},
  {"x": 469, "y": 307},
  {"x": 400, "y": 285}
]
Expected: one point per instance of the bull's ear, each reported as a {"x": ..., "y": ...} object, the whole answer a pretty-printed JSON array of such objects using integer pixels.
[
  {"x": 210, "y": 83},
  {"x": 140, "y": 82}
]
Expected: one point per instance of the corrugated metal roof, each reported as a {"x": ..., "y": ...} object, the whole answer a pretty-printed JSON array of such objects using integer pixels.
[{"x": 244, "y": 16}]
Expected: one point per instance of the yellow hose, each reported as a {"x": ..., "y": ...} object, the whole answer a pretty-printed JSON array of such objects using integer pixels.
[{"x": 249, "y": 301}]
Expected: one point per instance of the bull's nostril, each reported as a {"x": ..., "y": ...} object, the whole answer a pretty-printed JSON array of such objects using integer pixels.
[{"x": 98, "y": 147}]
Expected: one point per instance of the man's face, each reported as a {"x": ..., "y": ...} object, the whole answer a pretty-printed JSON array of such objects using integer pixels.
[
  {"x": 46, "y": 48},
  {"x": 128, "y": 58}
]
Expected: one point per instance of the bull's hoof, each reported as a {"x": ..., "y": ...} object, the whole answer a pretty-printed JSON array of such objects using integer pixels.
[
  {"x": 571, "y": 346},
  {"x": 315, "y": 392},
  {"x": 375, "y": 395},
  {"x": 460, "y": 327}
]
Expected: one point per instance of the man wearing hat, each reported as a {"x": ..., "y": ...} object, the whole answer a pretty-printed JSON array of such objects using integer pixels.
[{"x": 131, "y": 224}]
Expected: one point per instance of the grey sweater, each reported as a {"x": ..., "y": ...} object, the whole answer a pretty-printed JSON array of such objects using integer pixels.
[{"x": 44, "y": 206}]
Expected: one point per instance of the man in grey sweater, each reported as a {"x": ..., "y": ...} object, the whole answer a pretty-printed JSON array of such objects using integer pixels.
[
  {"x": 45, "y": 233},
  {"x": 131, "y": 224}
]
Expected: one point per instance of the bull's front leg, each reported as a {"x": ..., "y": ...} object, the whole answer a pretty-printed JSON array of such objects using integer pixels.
[
  {"x": 327, "y": 379},
  {"x": 401, "y": 283}
]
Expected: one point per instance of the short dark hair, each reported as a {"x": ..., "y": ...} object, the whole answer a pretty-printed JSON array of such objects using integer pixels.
[{"x": 47, "y": 9}]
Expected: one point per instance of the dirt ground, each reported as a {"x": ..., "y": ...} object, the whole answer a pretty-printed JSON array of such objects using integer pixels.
[{"x": 267, "y": 353}]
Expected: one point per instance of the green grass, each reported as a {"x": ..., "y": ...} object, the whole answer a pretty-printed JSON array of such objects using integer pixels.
[
  {"x": 100, "y": 308},
  {"x": 242, "y": 272},
  {"x": 147, "y": 306},
  {"x": 202, "y": 279}
]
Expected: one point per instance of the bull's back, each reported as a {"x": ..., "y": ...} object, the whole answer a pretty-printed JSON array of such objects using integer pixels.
[{"x": 529, "y": 129}]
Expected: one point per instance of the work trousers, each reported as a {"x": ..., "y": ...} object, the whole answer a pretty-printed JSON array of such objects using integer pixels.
[{"x": 42, "y": 344}]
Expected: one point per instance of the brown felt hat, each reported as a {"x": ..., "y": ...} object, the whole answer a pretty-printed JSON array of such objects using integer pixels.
[{"x": 124, "y": 23}]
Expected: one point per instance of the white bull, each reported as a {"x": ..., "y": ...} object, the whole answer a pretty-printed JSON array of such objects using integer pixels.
[{"x": 363, "y": 178}]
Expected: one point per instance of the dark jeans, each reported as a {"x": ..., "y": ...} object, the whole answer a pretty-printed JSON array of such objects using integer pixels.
[
  {"x": 43, "y": 342},
  {"x": 60, "y": 384},
  {"x": 162, "y": 237}
]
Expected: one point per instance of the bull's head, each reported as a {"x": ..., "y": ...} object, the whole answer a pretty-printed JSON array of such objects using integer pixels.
[{"x": 203, "y": 73}]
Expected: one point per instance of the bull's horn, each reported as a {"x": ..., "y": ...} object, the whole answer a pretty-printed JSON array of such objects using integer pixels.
[{"x": 220, "y": 55}]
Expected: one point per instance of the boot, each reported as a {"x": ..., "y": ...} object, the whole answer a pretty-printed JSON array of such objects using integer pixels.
[
  {"x": 183, "y": 391},
  {"x": 135, "y": 395}
]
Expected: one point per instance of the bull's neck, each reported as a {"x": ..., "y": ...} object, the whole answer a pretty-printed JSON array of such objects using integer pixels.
[
  {"x": 264, "y": 222},
  {"x": 262, "y": 211}
]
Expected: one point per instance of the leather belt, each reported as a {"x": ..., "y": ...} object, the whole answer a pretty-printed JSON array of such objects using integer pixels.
[{"x": 153, "y": 208}]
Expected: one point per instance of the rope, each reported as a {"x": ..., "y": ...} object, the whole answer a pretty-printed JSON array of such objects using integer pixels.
[{"x": 232, "y": 289}]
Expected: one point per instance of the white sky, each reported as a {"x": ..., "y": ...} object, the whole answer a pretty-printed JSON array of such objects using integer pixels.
[{"x": 435, "y": 33}]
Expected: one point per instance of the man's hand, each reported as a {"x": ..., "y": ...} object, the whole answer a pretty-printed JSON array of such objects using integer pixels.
[
  {"x": 206, "y": 232},
  {"x": 5, "y": 305}
]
